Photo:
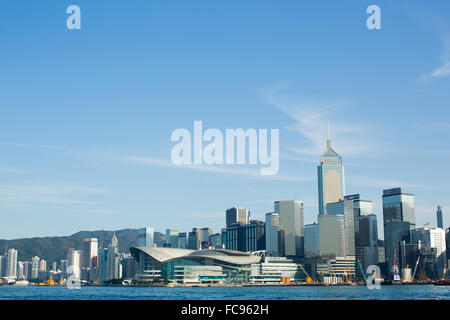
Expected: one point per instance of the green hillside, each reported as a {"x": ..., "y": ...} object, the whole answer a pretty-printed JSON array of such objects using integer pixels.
[{"x": 55, "y": 248}]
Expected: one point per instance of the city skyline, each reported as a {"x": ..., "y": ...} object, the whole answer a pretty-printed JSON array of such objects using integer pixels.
[{"x": 87, "y": 116}]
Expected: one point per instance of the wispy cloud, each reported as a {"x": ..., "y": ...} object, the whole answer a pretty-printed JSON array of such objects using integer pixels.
[
  {"x": 311, "y": 118},
  {"x": 14, "y": 170},
  {"x": 385, "y": 183},
  {"x": 443, "y": 70},
  {"x": 45, "y": 193},
  {"x": 245, "y": 171}
]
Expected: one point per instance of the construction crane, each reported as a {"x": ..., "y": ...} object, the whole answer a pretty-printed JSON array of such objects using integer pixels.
[
  {"x": 415, "y": 268},
  {"x": 308, "y": 278},
  {"x": 362, "y": 270}
]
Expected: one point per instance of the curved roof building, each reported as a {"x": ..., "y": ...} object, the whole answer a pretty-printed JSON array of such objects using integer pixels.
[{"x": 196, "y": 266}]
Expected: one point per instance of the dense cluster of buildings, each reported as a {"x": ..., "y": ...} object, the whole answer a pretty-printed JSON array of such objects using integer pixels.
[
  {"x": 89, "y": 264},
  {"x": 340, "y": 246}
]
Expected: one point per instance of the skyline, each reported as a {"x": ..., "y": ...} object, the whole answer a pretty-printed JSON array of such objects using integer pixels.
[{"x": 86, "y": 116}]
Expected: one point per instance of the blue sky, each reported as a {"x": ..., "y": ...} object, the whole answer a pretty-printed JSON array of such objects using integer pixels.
[{"x": 86, "y": 115}]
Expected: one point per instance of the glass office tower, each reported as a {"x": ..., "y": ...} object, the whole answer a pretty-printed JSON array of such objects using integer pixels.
[
  {"x": 440, "y": 223},
  {"x": 330, "y": 174},
  {"x": 398, "y": 220},
  {"x": 291, "y": 222}
]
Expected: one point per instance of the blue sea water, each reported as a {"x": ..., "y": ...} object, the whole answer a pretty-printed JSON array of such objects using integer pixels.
[{"x": 415, "y": 292}]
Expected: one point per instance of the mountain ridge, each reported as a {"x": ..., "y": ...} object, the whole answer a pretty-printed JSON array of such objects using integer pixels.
[{"x": 55, "y": 248}]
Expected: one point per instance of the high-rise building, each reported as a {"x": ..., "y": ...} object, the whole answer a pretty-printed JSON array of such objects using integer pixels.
[
  {"x": 204, "y": 237},
  {"x": 43, "y": 265},
  {"x": 90, "y": 251},
  {"x": 11, "y": 263},
  {"x": 398, "y": 215},
  {"x": 395, "y": 232},
  {"x": 255, "y": 238},
  {"x": 440, "y": 223},
  {"x": 114, "y": 268},
  {"x": 312, "y": 240},
  {"x": 360, "y": 207},
  {"x": 27, "y": 267},
  {"x": 216, "y": 241},
  {"x": 237, "y": 215},
  {"x": 366, "y": 240},
  {"x": 20, "y": 271},
  {"x": 432, "y": 238},
  {"x": 246, "y": 237},
  {"x": 337, "y": 230},
  {"x": 291, "y": 222},
  {"x": 183, "y": 240},
  {"x": 74, "y": 263},
  {"x": 193, "y": 239},
  {"x": 172, "y": 238},
  {"x": 272, "y": 230},
  {"x": 146, "y": 237},
  {"x": 398, "y": 205},
  {"x": 63, "y": 265},
  {"x": 35, "y": 268},
  {"x": 3, "y": 266},
  {"x": 330, "y": 174}
]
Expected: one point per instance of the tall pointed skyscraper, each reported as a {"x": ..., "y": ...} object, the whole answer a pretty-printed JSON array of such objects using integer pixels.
[{"x": 330, "y": 174}]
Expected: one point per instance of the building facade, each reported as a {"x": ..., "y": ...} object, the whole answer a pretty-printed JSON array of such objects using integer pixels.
[
  {"x": 398, "y": 221},
  {"x": 291, "y": 222},
  {"x": 237, "y": 215},
  {"x": 312, "y": 247},
  {"x": 330, "y": 175},
  {"x": 146, "y": 237}
]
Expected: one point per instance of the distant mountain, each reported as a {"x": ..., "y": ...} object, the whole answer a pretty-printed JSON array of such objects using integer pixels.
[{"x": 55, "y": 248}]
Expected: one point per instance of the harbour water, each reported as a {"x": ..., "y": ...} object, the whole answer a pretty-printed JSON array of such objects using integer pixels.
[{"x": 409, "y": 292}]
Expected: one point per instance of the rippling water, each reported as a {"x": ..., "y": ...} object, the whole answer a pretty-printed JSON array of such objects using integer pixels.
[{"x": 415, "y": 292}]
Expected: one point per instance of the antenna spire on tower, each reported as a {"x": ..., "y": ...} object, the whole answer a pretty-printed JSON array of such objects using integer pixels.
[{"x": 328, "y": 136}]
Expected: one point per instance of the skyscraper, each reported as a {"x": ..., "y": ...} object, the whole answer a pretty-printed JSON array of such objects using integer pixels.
[
  {"x": 272, "y": 229},
  {"x": 172, "y": 238},
  {"x": 237, "y": 215},
  {"x": 114, "y": 268},
  {"x": 183, "y": 240},
  {"x": 193, "y": 239},
  {"x": 73, "y": 263},
  {"x": 291, "y": 222},
  {"x": 366, "y": 240},
  {"x": 440, "y": 223},
  {"x": 398, "y": 221},
  {"x": 330, "y": 174},
  {"x": 398, "y": 205},
  {"x": 34, "y": 268},
  {"x": 11, "y": 263},
  {"x": 146, "y": 237},
  {"x": 311, "y": 240},
  {"x": 2, "y": 266},
  {"x": 90, "y": 251},
  {"x": 246, "y": 237},
  {"x": 204, "y": 234},
  {"x": 337, "y": 229}
]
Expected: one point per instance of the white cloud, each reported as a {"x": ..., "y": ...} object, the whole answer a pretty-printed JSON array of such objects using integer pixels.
[
  {"x": 311, "y": 118},
  {"x": 224, "y": 169},
  {"x": 47, "y": 193},
  {"x": 444, "y": 69}
]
